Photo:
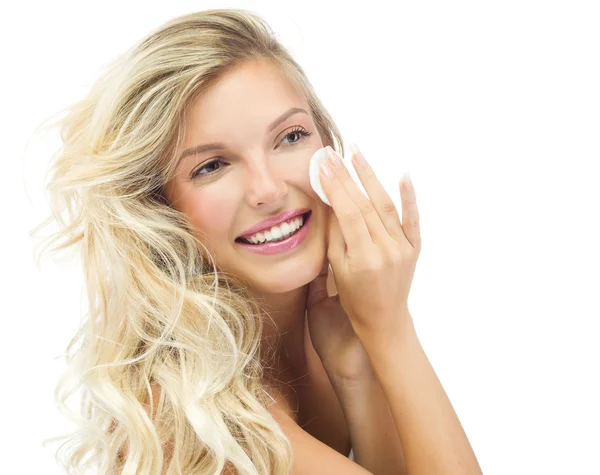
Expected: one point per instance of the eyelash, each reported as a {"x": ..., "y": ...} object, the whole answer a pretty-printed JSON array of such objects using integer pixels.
[{"x": 300, "y": 130}]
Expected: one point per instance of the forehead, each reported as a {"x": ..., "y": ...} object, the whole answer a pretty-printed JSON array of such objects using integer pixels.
[{"x": 253, "y": 92}]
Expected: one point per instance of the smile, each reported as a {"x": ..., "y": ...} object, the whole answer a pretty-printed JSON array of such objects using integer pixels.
[{"x": 274, "y": 241}]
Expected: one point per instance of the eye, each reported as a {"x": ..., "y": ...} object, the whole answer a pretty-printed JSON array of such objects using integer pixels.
[
  {"x": 208, "y": 166},
  {"x": 301, "y": 131}
]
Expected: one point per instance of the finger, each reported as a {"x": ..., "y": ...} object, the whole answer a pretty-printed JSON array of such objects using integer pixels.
[
  {"x": 386, "y": 209},
  {"x": 317, "y": 288},
  {"x": 377, "y": 230},
  {"x": 349, "y": 217},
  {"x": 410, "y": 212}
]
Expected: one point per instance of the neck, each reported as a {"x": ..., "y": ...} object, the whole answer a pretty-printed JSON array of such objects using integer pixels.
[{"x": 283, "y": 332}]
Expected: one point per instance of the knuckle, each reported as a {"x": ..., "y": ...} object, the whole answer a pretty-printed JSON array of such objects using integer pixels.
[
  {"x": 411, "y": 206},
  {"x": 366, "y": 207},
  {"x": 353, "y": 216},
  {"x": 412, "y": 222},
  {"x": 389, "y": 207},
  {"x": 395, "y": 257},
  {"x": 371, "y": 266}
]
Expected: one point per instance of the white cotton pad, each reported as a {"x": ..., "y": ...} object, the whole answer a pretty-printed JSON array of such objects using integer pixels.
[
  {"x": 313, "y": 172},
  {"x": 315, "y": 179}
]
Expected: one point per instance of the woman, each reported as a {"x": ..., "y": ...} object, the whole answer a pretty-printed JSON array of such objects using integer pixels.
[{"x": 206, "y": 350}]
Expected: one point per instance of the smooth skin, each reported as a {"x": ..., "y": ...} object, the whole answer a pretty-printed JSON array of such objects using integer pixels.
[{"x": 373, "y": 256}]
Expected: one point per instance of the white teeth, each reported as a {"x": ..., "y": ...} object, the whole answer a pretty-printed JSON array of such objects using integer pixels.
[
  {"x": 275, "y": 233},
  {"x": 278, "y": 232}
]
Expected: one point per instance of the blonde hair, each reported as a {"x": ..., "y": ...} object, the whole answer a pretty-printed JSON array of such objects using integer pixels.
[{"x": 160, "y": 314}]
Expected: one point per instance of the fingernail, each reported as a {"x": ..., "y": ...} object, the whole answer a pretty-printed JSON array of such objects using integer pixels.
[
  {"x": 326, "y": 170},
  {"x": 333, "y": 158},
  {"x": 407, "y": 181},
  {"x": 358, "y": 157}
]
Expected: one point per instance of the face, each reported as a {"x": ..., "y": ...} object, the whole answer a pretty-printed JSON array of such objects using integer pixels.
[{"x": 257, "y": 172}]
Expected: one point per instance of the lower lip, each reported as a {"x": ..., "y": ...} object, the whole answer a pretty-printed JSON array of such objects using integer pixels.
[{"x": 287, "y": 244}]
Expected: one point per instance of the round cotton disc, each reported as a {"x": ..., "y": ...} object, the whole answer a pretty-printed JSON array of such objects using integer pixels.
[{"x": 313, "y": 171}]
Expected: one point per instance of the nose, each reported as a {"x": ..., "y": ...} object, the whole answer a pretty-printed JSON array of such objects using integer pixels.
[{"x": 264, "y": 187}]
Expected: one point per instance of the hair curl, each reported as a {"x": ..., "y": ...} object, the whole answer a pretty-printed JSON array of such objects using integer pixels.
[{"x": 160, "y": 313}]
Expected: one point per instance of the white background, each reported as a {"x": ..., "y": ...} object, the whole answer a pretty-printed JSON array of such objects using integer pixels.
[{"x": 494, "y": 108}]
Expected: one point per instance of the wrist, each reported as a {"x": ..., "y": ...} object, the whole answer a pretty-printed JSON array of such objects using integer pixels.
[
  {"x": 354, "y": 393},
  {"x": 349, "y": 377},
  {"x": 343, "y": 381},
  {"x": 374, "y": 338}
]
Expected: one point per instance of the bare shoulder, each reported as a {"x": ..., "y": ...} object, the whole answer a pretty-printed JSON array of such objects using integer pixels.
[{"x": 311, "y": 456}]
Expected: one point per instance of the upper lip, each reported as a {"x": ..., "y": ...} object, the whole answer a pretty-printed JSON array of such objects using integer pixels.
[{"x": 275, "y": 220}]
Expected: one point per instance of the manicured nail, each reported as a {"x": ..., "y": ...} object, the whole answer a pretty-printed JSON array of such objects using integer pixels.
[
  {"x": 407, "y": 181},
  {"x": 358, "y": 157},
  {"x": 326, "y": 170},
  {"x": 333, "y": 158}
]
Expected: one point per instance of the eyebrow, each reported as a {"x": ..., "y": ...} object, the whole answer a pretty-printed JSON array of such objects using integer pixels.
[{"x": 219, "y": 145}]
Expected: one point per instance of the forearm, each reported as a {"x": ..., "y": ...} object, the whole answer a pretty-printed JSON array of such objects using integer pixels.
[
  {"x": 375, "y": 441},
  {"x": 432, "y": 437}
]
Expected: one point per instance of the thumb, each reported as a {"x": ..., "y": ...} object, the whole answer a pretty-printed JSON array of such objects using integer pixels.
[{"x": 317, "y": 288}]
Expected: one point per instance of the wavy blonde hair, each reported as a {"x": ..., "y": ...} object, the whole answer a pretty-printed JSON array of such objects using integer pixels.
[{"x": 160, "y": 312}]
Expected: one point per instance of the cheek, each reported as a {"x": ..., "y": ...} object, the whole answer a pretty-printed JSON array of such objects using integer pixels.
[
  {"x": 297, "y": 172},
  {"x": 211, "y": 212},
  {"x": 304, "y": 184}
]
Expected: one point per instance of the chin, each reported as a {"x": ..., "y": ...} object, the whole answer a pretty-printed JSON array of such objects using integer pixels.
[
  {"x": 286, "y": 278},
  {"x": 276, "y": 284}
]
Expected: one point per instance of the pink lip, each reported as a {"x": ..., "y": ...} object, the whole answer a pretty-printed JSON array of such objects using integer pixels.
[
  {"x": 270, "y": 222},
  {"x": 285, "y": 245}
]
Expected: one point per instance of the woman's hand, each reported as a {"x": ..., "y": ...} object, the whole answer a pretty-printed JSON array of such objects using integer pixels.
[
  {"x": 332, "y": 335},
  {"x": 373, "y": 254}
]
